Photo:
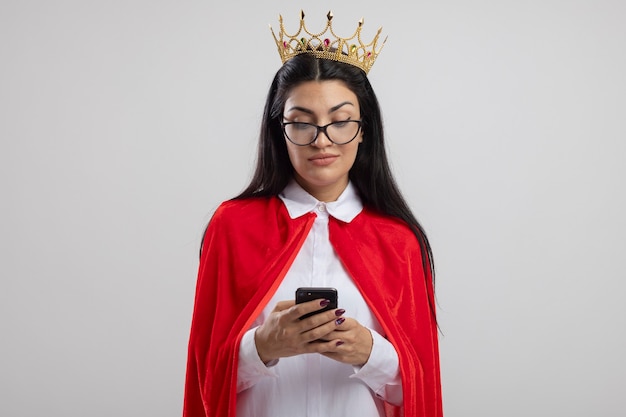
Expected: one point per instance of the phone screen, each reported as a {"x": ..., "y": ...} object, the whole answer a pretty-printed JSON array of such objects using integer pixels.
[{"x": 304, "y": 294}]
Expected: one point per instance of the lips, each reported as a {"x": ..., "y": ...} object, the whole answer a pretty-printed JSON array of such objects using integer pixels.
[{"x": 323, "y": 159}]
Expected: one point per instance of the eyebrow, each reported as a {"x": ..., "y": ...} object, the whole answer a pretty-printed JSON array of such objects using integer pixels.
[{"x": 332, "y": 109}]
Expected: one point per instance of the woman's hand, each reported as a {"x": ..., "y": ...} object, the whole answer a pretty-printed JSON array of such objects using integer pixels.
[
  {"x": 354, "y": 343},
  {"x": 340, "y": 338},
  {"x": 283, "y": 334}
]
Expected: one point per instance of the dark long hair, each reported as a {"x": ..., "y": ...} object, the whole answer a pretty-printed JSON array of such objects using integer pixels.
[{"x": 370, "y": 174}]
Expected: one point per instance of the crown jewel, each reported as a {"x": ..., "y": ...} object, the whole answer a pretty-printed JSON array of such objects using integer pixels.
[{"x": 326, "y": 44}]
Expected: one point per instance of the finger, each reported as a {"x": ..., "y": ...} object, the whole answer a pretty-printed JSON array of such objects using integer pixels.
[
  {"x": 338, "y": 329},
  {"x": 283, "y": 305},
  {"x": 308, "y": 307},
  {"x": 324, "y": 317},
  {"x": 346, "y": 353},
  {"x": 345, "y": 323},
  {"x": 319, "y": 325},
  {"x": 323, "y": 332},
  {"x": 323, "y": 347},
  {"x": 346, "y": 329}
]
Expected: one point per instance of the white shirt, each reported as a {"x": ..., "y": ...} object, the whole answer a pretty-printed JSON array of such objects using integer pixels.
[{"x": 313, "y": 385}]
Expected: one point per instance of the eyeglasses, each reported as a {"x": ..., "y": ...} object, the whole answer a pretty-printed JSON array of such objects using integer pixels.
[{"x": 339, "y": 133}]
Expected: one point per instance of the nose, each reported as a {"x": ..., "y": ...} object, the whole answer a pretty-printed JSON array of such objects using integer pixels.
[{"x": 322, "y": 140}]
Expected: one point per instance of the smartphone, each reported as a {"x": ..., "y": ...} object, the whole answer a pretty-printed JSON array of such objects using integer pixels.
[{"x": 304, "y": 294}]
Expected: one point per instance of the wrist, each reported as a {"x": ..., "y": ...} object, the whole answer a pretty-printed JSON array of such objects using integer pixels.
[{"x": 264, "y": 356}]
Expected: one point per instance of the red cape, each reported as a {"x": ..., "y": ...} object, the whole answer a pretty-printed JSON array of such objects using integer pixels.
[{"x": 247, "y": 251}]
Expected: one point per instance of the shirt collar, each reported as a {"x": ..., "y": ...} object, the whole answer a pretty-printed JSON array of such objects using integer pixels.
[{"x": 299, "y": 202}]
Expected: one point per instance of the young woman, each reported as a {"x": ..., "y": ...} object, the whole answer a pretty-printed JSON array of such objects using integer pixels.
[{"x": 322, "y": 210}]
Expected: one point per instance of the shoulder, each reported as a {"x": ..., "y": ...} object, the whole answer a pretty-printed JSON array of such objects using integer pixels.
[
  {"x": 258, "y": 216},
  {"x": 380, "y": 223},
  {"x": 254, "y": 223},
  {"x": 377, "y": 233},
  {"x": 248, "y": 208},
  {"x": 234, "y": 219}
]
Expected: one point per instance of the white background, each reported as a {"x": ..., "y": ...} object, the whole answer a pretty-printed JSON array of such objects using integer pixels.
[{"x": 124, "y": 123}]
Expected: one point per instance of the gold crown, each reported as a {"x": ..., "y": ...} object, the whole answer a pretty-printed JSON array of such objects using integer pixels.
[{"x": 349, "y": 50}]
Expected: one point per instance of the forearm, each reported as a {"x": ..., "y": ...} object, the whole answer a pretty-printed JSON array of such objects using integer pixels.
[
  {"x": 382, "y": 371},
  {"x": 250, "y": 368}
]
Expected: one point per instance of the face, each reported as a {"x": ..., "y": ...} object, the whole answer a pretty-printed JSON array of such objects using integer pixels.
[{"x": 322, "y": 167}]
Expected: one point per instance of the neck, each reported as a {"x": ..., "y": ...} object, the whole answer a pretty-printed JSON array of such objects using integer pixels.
[{"x": 327, "y": 193}]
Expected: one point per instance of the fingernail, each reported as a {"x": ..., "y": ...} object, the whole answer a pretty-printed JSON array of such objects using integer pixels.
[
  {"x": 339, "y": 343},
  {"x": 339, "y": 312},
  {"x": 340, "y": 320},
  {"x": 324, "y": 303}
]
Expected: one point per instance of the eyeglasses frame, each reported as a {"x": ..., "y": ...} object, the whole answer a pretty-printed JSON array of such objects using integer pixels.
[{"x": 320, "y": 129}]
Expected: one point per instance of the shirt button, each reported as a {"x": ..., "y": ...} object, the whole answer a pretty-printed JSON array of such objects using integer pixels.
[{"x": 322, "y": 207}]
